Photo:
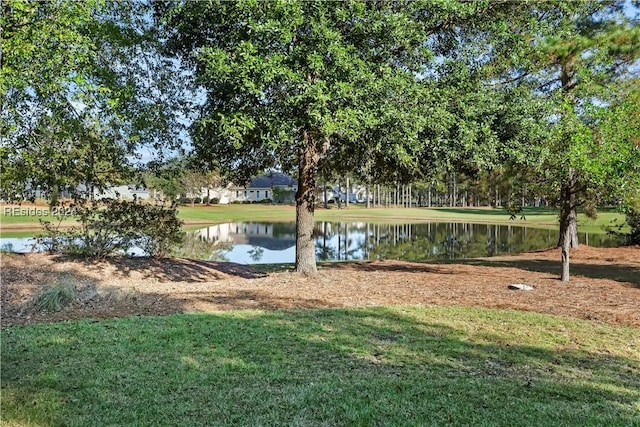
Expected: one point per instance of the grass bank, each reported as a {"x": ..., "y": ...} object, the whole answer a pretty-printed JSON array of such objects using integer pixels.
[
  {"x": 373, "y": 366},
  {"x": 533, "y": 217},
  {"x": 12, "y": 225}
]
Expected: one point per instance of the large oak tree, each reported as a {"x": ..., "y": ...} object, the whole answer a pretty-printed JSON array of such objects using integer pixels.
[{"x": 297, "y": 84}]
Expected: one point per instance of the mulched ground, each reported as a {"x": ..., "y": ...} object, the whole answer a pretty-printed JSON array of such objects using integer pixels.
[{"x": 605, "y": 285}]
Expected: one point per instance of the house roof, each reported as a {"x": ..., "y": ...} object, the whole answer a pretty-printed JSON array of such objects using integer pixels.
[{"x": 273, "y": 179}]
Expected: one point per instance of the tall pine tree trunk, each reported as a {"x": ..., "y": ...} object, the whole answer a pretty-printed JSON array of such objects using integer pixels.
[
  {"x": 324, "y": 195},
  {"x": 366, "y": 195},
  {"x": 346, "y": 201},
  {"x": 568, "y": 238},
  {"x": 305, "y": 202}
]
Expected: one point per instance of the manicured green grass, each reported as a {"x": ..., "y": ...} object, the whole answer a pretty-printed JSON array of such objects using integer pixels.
[
  {"x": 29, "y": 232},
  {"x": 535, "y": 217},
  {"x": 237, "y": 212},
  {"x": 26, "y": 219},
  {"x": 373, "y": 366}
]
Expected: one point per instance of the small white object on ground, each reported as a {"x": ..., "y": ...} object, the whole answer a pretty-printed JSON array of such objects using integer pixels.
[{"x": 521, "y": 287}]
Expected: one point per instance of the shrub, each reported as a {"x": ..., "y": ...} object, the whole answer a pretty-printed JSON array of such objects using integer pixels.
[
  {"x": 633, "y": 221},
  {"x": 215, "y": 200},
  {"x": 196, "y": 200},
  {"x": 159, "y": 229},
  {"x": 116, "y": 226},
  {"x": 629, "y": 231},
  {"x": 266, "y": 201},
  {"x": 206, "y": 200}
]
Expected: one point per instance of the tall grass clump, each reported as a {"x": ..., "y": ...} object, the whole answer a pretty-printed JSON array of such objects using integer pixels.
[{"x": 54, "y": 297}]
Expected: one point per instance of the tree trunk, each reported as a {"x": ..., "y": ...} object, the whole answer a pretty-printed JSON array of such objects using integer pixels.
[
  {"x": 571, "y": 231},
  {"x": 324, "y": 195},
  {"x": 568, "y": 238},
  {"x": 55, "y": 196},
  {"x": 366, "y": 195},
  {"x": 410, "y": 196},
  {"x": 455, "y": 190},
  {"x": 346, "y": 199},
  {"x": 566, "y": 247},
  {"x": 305, "y": 202}
]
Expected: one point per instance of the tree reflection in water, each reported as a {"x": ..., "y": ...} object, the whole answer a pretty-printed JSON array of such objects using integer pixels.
[
  {"x": 337, "y": 241},
  {"x": 198, "y": 247}
]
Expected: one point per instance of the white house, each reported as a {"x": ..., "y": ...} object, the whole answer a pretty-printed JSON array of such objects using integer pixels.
[
  {"x": 127, "y": 192},
  {"x": 275, "y": 186}
]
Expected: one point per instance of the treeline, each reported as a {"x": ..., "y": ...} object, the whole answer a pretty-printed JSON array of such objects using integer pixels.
[{"x": 449, "y": 190}]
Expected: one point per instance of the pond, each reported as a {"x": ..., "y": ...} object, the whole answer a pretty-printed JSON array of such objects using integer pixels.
[
  {"x": 259, "y": 242},
  {"x": 268, "y": 242}
]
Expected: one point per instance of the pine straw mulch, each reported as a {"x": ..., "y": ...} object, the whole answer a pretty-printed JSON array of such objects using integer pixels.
[{"x": 605, "y": 285}]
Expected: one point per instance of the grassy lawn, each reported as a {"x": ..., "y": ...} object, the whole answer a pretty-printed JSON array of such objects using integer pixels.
[
  {"x": 538, "y": 217},
  {"x": 237, "y": 212},
  {"x": 535, "y": 217},
  {"x": 374, "y": 366}
]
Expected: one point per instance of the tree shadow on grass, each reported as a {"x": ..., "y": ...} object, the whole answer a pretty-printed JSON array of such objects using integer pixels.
[
  {"x": 237, "y": 299},
  {"x": 375, "y": 366}
]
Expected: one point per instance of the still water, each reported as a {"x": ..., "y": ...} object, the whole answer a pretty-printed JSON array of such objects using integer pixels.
[
  {"x": 268, "y": 242},
  {"x": 261, "y": 242}
]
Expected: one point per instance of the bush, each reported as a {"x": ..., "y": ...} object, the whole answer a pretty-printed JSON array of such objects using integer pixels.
[
  {"x": 196, "y": 200},
  {"x": 629, "y": 231},
  {"x": 633, "y": 221},
  {"x": 215, "y": 200},
  {"x": 160, "y": 229},
  {"x": 116, "y": 226},
  {"x": 266, "y": 201}
]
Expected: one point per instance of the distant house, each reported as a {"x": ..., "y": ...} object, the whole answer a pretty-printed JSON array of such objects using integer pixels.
[
  {"x": 126, "y": 192},
  {"x": 271, "y": 186},
  {"x": 274, "y": 186}
]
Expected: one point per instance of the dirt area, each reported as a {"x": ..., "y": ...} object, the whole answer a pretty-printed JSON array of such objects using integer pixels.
[{"x": 605, "y": 285}]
